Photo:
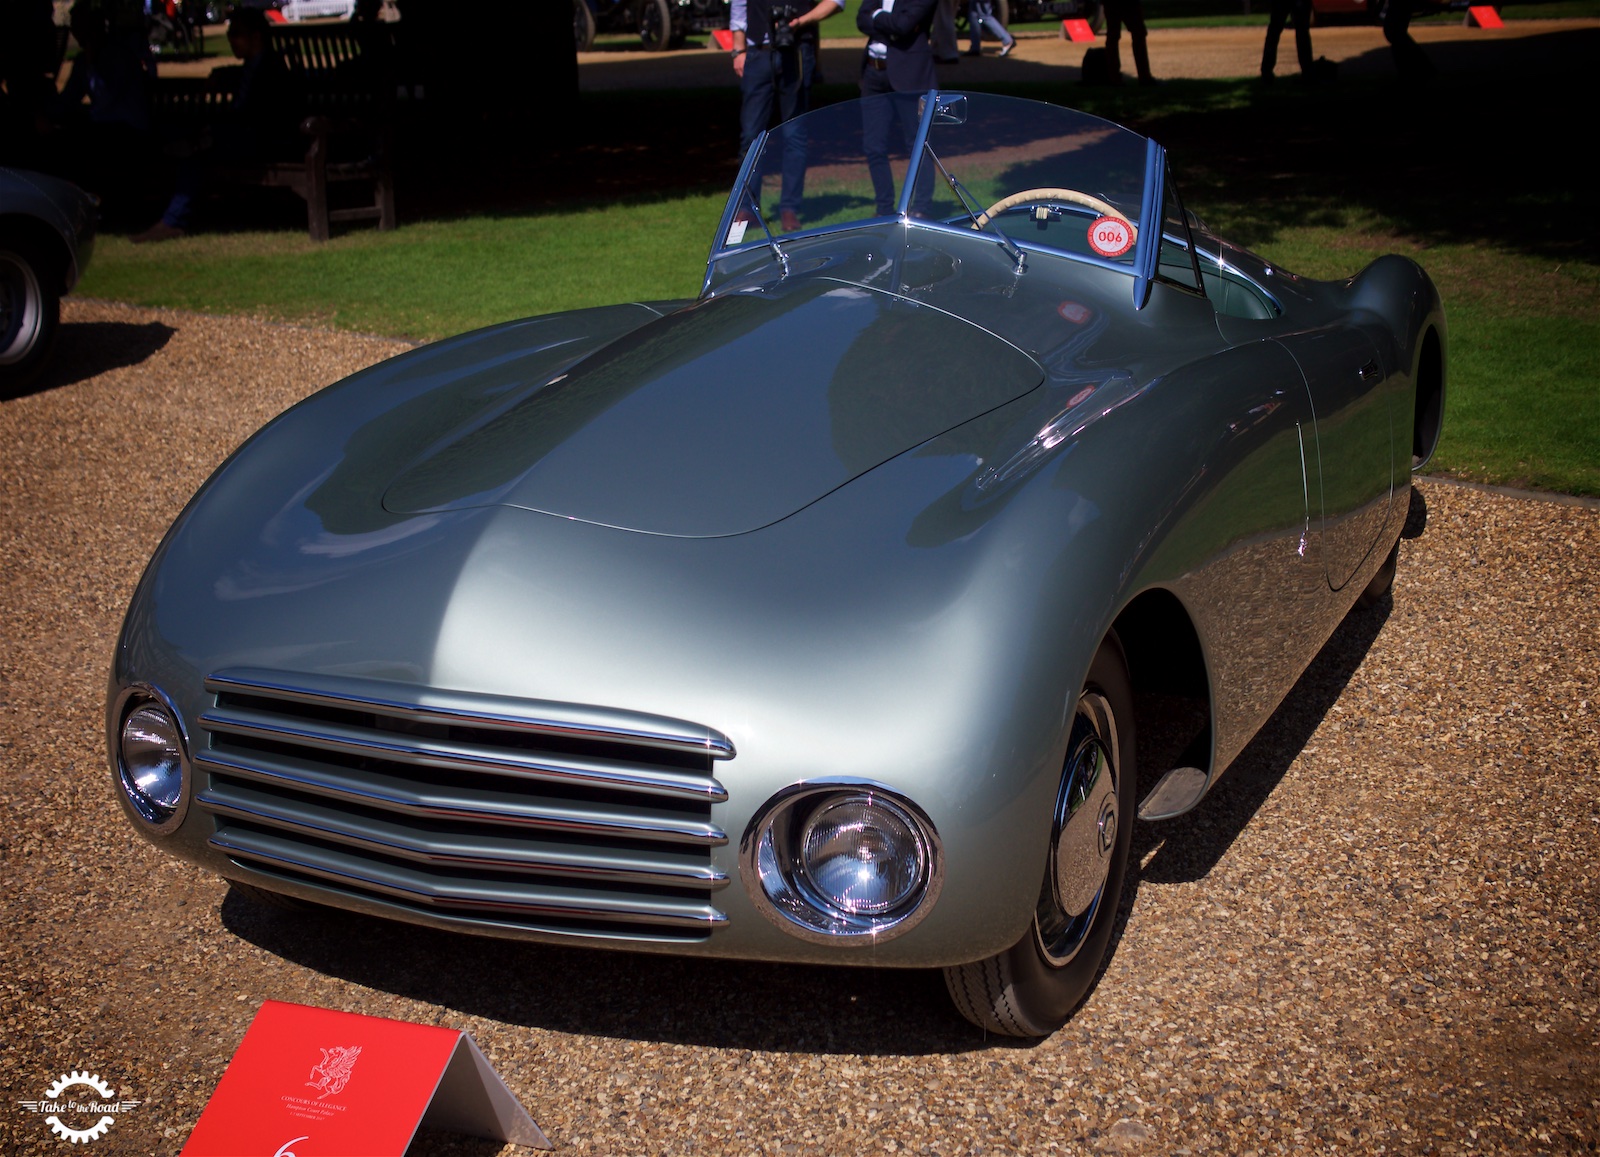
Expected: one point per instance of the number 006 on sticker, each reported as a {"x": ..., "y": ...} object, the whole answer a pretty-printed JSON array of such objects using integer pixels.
[{"x": 1110, "y": 236}]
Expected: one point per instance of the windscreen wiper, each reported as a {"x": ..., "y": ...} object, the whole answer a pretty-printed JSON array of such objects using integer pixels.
[
  {"x": 971, "y": 206},
  {"x": 772, "y": 242}
]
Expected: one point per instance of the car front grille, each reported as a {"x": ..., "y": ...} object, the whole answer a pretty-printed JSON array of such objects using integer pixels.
[{"x": 504, "y": 813}]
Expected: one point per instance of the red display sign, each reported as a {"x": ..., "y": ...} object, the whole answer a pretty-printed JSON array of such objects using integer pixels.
[
  {"x": 311, "y": 1082},
  {"x": 1484, "y": 16},
  {"x": 1077, "y": 30}
]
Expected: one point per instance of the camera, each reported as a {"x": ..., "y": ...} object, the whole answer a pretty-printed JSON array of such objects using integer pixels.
[{"x": 783, "y": 37}]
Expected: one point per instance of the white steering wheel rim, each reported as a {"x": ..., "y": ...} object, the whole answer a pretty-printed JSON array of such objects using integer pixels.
[{"x": 1050, "y": 194}]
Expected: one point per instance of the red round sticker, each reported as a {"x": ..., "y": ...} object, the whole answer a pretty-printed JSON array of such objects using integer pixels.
[{"x": 1111, "y": 237}]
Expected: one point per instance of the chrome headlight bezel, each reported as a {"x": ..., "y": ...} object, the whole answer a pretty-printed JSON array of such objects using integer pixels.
[
  {"x": 784, "y": 889},
  {"x": 161, "y": 812}
]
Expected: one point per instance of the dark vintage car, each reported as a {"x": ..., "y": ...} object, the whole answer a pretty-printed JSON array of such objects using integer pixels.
[
  {"x": 47, "y": 230},
  {"x": 824, "y": 617},
  {"x": 660, "y": 24}
]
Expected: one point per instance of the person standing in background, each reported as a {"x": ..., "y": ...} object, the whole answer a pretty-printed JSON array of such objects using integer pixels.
[
  {"x": 980, "y": 15},
  {"x": 1130, "y": 13},
  {"x": 775, "y": 57},
  {"x": 943, "y": 35},
  {"x": 1410, "y": 61},
  {"x": 897, "y": 64},
  {"x": 1282, "y": 12}
]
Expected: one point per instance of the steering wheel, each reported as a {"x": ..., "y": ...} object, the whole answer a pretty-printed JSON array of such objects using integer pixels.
[{"x": 1071, "y": 195}]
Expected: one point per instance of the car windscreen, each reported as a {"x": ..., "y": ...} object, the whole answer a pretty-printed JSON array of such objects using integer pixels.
[{"x": 1041, "y": 174}]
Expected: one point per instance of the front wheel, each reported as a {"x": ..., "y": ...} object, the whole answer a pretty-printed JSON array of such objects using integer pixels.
[
  {"x": 655, "y": 25},
  {"x": 583, "y": 27},
  {"x": 30, "y": 310},
  {"x": 1031, "y": 988}
]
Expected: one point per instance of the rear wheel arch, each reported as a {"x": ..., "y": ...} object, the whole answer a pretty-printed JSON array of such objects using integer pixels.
[
  {"x": 1428, "y": 413},
  {"x": 1171, "y": 685},
  {"x": 42, "y": 245}
]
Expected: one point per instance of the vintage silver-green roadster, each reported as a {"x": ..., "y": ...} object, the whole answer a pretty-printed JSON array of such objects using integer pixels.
[{"x": 811, "y": 619}]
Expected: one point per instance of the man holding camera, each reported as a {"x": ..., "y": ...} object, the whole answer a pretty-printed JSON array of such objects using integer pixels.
[{"x": 774, "y": 56}]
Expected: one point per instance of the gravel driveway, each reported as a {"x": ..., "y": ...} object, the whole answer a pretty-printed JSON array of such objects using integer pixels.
[{"x": 1377, "y": 936}]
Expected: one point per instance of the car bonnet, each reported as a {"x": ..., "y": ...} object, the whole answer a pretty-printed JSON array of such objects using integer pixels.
[{"x": 725, "y": 416}]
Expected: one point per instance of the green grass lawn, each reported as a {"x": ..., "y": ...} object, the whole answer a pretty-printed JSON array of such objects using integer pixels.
[
  {"x": 425, "y": 280},
  {"x": 1524, "y": 353}
]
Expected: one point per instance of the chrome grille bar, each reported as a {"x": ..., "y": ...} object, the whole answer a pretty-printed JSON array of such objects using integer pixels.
[
  {"x": 458, "y": 849},
  {"x": 464, "y": 895},
  {"x": 397, "y": 748},
  {"x": 468, "y": 710},
  {"x": 371, "y": 789}
]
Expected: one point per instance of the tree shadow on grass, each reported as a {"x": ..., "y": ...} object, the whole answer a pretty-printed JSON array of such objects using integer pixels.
[{"x": 1480, "y": 155}]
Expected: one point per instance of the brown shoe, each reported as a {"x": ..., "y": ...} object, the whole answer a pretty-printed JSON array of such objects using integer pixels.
[
  {"x": 160, "y": 231},
  {"x": 789, "y": 219}
]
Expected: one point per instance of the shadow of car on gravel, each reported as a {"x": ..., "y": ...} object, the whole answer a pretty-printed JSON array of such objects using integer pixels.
[
  {"x": 85, "y": 349},
  {"x": 719, "y": 1003},
  {"x": 1187, "y": 848}
]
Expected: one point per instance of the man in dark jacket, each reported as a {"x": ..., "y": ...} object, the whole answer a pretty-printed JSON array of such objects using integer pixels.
[
  {"x": 897, "y": 66},
  {"x": 774, "y": 57}
]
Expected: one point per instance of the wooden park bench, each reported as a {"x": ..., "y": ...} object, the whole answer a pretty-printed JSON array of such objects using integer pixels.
[{"x": 347, "y": 83}]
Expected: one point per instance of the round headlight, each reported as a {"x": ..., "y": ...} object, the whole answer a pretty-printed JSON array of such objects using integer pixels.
[
  {"x": 862, "y": 855},
  {"x": 150, "y": 763},
  {"x": 832, "y": 862}
]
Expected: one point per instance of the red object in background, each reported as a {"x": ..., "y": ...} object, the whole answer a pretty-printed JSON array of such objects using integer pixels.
[
  {"x": 276, "y": 16},
  {"x": 312, "y": 1082},
  {"x": 1484, "y": 16},
  {"x": 724, "y": 39},
  {"x": 1077, "y": 30}
]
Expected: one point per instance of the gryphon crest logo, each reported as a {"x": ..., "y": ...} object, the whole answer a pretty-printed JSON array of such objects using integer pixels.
[
  {"x": 97, "y": 1115},
  {"x": 333, "y": 1073}
]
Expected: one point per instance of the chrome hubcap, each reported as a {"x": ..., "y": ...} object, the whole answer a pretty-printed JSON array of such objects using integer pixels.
[
  {"x": 20, "y": 315},
  {"x": 1084, "y": 833}
]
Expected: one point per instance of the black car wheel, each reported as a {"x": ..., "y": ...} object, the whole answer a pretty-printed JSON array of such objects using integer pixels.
[
  {"x": 1382, "y": 582},
  {"x": 582, "y": 25},
  {"x": 655, "y": 25},
  {"x": 30, "y": 309},
  {"x": 1031, "y": 988}
]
